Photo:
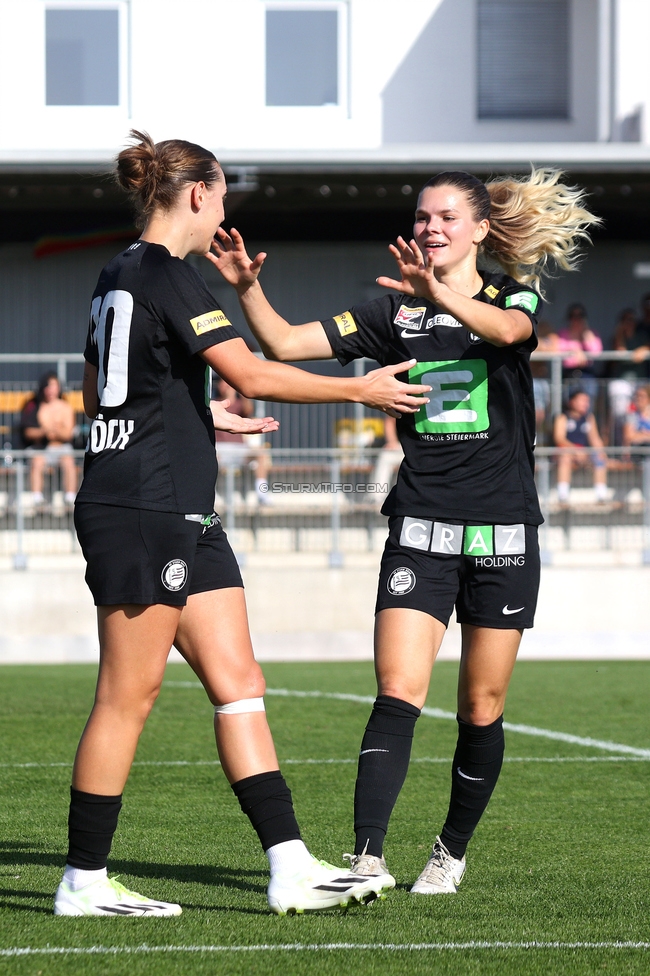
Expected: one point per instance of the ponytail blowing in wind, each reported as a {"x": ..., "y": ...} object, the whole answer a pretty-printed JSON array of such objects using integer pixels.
[{"x": 537, "y": 223}]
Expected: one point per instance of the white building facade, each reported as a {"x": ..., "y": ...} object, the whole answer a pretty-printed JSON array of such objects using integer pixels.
[
  {"x": 327, "y": 115},
  {"x": 263, "y": 80}
]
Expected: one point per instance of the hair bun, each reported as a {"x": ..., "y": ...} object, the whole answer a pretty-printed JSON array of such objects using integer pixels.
[{"x": 153, "y": 174}]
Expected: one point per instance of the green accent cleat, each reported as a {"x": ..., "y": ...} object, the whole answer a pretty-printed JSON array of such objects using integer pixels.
[
  {"x": 323, "y": 886},
  {"x": 108, "y": 897}
]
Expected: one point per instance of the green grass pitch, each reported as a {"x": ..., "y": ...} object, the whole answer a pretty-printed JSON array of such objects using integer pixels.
[{"x": 561, "y": 855}]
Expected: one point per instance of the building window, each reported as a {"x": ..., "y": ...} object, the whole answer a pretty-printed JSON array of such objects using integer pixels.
[
  {"x": 82, "y": 57},
  {"x": 523, "y": 59},
  {"x": 302, "y": 55}
]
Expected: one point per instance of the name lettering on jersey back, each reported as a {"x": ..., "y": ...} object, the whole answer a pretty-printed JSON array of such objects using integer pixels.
[
  {"x": 113, "y": 435},
  {"x": 209, "y": 321},
  {"x": 458, "y": 401},
  {"x": 345, "y": 323}
]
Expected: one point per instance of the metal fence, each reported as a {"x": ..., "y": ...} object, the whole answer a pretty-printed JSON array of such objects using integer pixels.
[
  {"x": 327, "y": 478},
  {"x": 329, "y": 501}
]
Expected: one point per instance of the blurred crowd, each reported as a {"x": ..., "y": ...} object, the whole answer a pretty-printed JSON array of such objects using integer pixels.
[{"x": 605, "y": 403}]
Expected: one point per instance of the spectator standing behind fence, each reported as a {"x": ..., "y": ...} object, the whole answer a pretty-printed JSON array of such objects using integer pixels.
[
  {"x": 576, "y": 434},
  {"x": 388, "y": 461},
  {"x": 47, "y": 428},
  {"x": 637, "y": 423},
  {"x": 578, "y": 339},
  {"x": 233, "y": 450},
  {"x": 629, "y": 336},
  {"x": 548, "y": 341}
]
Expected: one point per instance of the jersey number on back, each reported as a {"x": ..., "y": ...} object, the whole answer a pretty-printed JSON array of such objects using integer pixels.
[{"x": 113, "y": 373}]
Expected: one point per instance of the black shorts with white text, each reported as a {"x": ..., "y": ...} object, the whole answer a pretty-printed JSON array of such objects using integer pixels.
[{"x": 489, "y": 573}]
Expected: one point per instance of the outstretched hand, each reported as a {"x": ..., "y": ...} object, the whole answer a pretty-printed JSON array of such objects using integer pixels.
[
  {"x": 234, "y": 424},
  {"x": 416, "y": 271},
  {"x": 386, "y": 393},
  {"x": 231, "y": 259}
]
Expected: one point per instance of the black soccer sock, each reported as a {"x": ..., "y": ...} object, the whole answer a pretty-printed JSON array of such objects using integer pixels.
[
  {"x": 477, "y": 764},
  {"x": 91, "y": 824},
  {"x": 383, "y": 764},
  {"x": 266, "y": 801}
]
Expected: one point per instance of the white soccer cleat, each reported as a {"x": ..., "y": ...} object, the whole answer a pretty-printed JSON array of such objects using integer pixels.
[
  {"x": 108, "y": 897},
  {"x": 442, "y": 874},
  {"x": 323, "y": 886}
]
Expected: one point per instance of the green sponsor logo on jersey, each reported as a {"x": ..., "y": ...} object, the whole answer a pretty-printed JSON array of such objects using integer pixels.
[
  {"x": 478, "y": 540},
  {"x": 458, "y": 401},
  {"x": 523, "y": 299}
]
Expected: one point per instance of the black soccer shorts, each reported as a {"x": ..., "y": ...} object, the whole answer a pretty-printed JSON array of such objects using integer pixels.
[
  {"x": 490, "y": 573},
  {"x": 138, "y": 556}
]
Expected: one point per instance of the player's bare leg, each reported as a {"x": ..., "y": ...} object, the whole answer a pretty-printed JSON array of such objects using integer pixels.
[
  {"x": 134, "y": 643},
  {"x": 214, "y": 639},
  {"x": 487, "y": 660},
  {"x": 406, "y": 645}
]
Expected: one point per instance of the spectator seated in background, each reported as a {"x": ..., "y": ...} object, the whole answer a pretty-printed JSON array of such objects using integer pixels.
[
  {"x": 578, "y": 339},
  {"x": 548, "y": 341},
  {"x": 576, "y": 434},
  {"x": 47, "y": 427},
  {"x": 388, "y": 461},
  {"x": 235, "y": 451},
  {"x": 637, "y": 423},
  {"x": 630, "y": 336}
]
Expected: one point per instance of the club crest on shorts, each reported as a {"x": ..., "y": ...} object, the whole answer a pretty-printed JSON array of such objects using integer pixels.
[
  {"x": 174, "y": 575},
  {"x": 401, "y": 581}
]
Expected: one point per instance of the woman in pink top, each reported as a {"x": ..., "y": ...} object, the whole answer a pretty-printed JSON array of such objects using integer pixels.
[{"x": 578, "y": 339}]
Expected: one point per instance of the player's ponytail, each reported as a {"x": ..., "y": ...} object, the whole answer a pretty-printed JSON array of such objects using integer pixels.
[
  {"x": 153, "y": 174},
  {"x": 537, "y": 221}
]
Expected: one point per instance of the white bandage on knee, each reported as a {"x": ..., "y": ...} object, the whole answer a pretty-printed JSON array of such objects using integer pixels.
[{"x": 241, "y": 706}]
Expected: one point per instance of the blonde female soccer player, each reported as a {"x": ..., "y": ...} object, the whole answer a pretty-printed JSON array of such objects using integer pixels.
[
  {"x": 463, "y": 515},
  {"x": 159, "y": 565}
]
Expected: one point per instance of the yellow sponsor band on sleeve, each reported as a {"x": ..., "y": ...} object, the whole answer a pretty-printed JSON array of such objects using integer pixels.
[
  {"x": 346, "y": 324},
  {"x": 491, "y": 291},
  {"x": 208, "y": 321}
]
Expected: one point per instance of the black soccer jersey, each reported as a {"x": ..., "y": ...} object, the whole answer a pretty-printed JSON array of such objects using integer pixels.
[
  {"x": 468, "y": 453},
  {"x": 152, "y": 443}
]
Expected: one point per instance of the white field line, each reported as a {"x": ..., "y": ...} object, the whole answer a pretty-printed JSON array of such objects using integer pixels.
[
  {"x": 99, "y": 950},
  {"x": 442, "y": 760},
  {"x": 628, "y": 751},
  {"x": 577, "y": 740}
]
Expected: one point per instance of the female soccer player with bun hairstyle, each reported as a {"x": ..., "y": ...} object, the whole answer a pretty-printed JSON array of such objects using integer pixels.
[
  {"x": 158, "y": 562},
  {"x": 463, "y": 515}
]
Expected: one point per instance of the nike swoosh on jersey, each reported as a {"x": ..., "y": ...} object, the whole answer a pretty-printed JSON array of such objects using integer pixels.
[
  {"x": 507, "y": 611},
  {"x": 413, "y": 335}
]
